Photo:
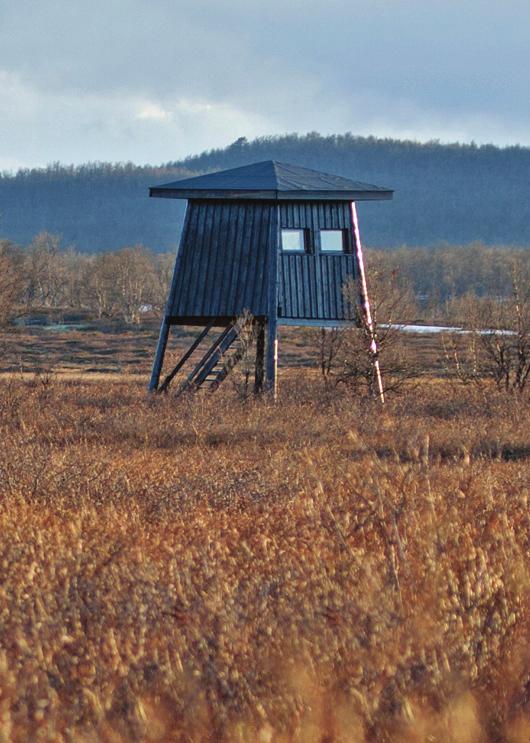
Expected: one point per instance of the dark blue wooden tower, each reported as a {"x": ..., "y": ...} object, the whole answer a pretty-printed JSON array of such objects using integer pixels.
[{"x": 274, "y": 240}]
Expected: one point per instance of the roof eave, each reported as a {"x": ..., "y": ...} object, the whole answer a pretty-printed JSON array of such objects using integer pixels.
[
  {"x": 335, "y": 195},
  {"x": 197, "y": 193},
  {"x": 178, "y": 193}
]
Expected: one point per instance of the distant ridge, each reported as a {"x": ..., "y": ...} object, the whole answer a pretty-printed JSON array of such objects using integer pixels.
[{"x": 456, "y": 193}]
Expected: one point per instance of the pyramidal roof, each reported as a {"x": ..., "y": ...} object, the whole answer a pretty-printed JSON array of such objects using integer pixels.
[{"x": 271, "y": 180}]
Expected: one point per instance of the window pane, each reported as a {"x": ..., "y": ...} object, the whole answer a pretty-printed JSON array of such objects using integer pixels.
[
  {"x": 331, "y": 241},
  {"x": 293, "y": 240}
]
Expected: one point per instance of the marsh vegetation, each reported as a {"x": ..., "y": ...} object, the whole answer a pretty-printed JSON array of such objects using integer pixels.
[
  {"x": 212, "y": 569},
  {"x": 220, "y": 568}
]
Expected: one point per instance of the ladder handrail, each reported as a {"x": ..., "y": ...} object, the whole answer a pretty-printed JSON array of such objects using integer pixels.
[
  {"x": 212, "y": 368},
  {"x": 217, "y": 354},
  {"x": 190, "y": 378},
  {"x": 172, "y": 374},
  {"x": 236, "y": 357}
]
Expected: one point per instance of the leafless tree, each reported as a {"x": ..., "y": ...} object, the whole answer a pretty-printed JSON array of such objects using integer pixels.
[
  {"x": 495, "y": 342},
  {"x": 163, "y": 264},
  {"x": 122, "y": 283},
  {"x": 135, "y": 280},
  {"x": 74, "y": 294},
  {"x": 328, "y": 343},
  {"x": 344, "y": 354},
  {"x": 9, "y": 282},
  {"x": 99, "y": 286},
  {"x": 45, "y": 271}
]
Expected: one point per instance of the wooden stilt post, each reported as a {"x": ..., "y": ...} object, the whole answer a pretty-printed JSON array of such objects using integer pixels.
[
  {"x": 164, "y": 328},
  {"x": 275, "y": 387},
  {"x": 272, "y": 357},
  {"x": 196, "y": 343},
  {"x": 272, "y": 320},
  {"x": 365, "y": 302},
  {"x": 159, "y": 357},
  {"x": 260, "y": 357}
]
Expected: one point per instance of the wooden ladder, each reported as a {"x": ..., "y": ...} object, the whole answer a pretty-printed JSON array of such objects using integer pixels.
[{"x": 217, "y": 363}]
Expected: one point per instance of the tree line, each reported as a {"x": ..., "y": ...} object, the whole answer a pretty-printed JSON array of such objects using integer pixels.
[
  {"x": 121, "y": 284},
  {"x": 437, "y": 276},
  {"x": 128, "y": 283}
]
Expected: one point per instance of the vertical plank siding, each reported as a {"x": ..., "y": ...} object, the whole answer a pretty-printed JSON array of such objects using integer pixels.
[
  {"x": 223, "y": 266},
  {"x": 311, "y": 284}
]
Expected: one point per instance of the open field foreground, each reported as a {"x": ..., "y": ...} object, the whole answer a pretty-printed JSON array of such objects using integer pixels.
[{"x": 215, "y": 570}]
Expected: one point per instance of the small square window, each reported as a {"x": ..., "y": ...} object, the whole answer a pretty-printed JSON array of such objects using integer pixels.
[
  {"x": 293, "y": 240},
  {"x": 332, "y": 241}
]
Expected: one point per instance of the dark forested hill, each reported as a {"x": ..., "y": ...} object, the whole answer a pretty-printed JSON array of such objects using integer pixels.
[
  {"x": 93, "y": 207},
  {"x": 444, "y": 193}
]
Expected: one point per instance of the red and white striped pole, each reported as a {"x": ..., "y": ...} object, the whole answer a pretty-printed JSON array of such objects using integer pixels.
[{"x": 365, "y": 302}]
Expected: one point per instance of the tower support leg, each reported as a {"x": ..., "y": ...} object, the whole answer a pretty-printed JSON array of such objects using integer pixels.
[
  {"x": 260, "y": 357},
  {"x": 159, "y": 357},
  {"x": 365, "y": 305},
  {"x": 272, "y": 358},
  {"x": 272, "y": 320}
]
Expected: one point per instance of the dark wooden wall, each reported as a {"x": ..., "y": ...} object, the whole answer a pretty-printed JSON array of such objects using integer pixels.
[
  {"x": 311, "y": 284},
  {"x": 222, "y": 265},
  {"x": 311, "y": 287}
]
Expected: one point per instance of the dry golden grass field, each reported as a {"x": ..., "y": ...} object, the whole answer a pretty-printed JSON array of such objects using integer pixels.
[{"x": 212, "y": 569}]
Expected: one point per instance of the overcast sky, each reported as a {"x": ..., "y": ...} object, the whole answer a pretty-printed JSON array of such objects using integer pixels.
[{"x": 155, "y": 80}]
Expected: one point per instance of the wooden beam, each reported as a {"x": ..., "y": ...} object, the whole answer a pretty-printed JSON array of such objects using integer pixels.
[
  {"x": 364, "y": 302},
  {"x": 232, "y": 195},
  {"x": 214, "y": 348},
  {"x": 167, "y": 381},
  {"x": 272, "y": 319},
  {"x": 271, "y": 360},
  {"x": 166, "y": 322},
  {"x": 302, "y": 323},
  {"x": 159, "y": 357},
  {"x": 260, "y": 357}
]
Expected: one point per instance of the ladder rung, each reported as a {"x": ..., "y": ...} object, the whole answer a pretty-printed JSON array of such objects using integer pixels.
[{"x": 217, "y": 363}]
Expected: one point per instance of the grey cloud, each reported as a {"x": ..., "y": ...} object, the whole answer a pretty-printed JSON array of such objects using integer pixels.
[{"x": 292, "y": 65}]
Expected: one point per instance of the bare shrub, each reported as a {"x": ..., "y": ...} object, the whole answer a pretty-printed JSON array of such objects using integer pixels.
[
  {"x": 328, "y": 343},
  {"x": 344, "y": 353},
  {"x": 46, "y": 271},
  {"x": 241, "y": 357},
  {"x": 9, "y": 282},
  {"x": 123, "y": 283},
  {"x": 211, "y": 570},
  {"x": 496, "y": 344}
]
